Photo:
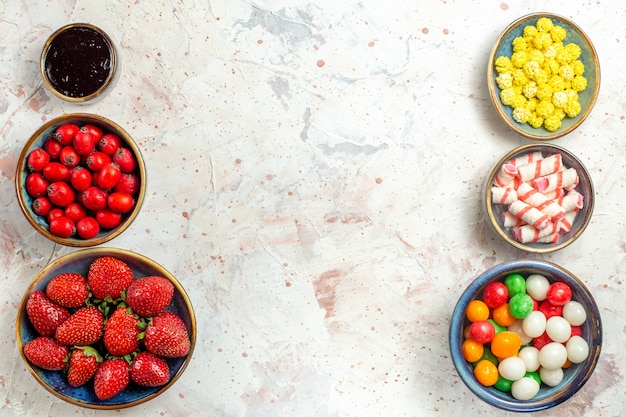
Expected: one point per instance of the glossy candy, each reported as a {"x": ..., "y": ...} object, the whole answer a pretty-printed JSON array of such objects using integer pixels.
[
  {"x": 506, "y": 344},
  {"x": 515, "y": 284},
  {"x": 577, "y": 349},
  {"x": 537, "y": 286},
  {"x": 482, "y": 331},
  {"x": 559, "y": 293},
  {"x": 502, "y": 315},
  {"x": 472, "y": 350},
  {"x": 553, "y": 355},
  {"x": 495, "y": 294},
  {"x": 534, "y": 324},
  {"x": 512, "y": 368},
  {"x": 486, "y": 373},
  {"x": 525, "y": 388},
  {"x": 477, "y": 310},
  {"x": 558, "y": 329},
  {"x": 574, "y": 313},
  {"x": 521, "y": 305}
]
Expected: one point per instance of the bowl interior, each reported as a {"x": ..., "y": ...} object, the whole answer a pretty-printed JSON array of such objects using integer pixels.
[
  {"x": 587, "y": 97},
  {"x": 584, "y": 187},
  {"x": 37, "y": 139},
  {"x": 574, "y": 377},
  {"x": 56, "y": 382}
]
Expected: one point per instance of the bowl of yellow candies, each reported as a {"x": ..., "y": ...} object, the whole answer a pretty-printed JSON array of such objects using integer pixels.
[{"x": 543, "y": 76}]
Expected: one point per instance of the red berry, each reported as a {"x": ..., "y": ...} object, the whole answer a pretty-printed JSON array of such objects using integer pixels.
[
  {"x": 53, "y": 147},
  {"x": 80, "y": 178},
  {"x": 94, "y": 198},
  {"x": 125, "y": 159},
  {"x": 44, "y": 314},
  {"x": 128, "y": 183},
  {"x": 62, "y": 227},
  {"x": 149, "y": 370},
  {"x": 41, "y": 206},
  {"x": 108, "y": 219},
  {"x": 55, "y": 171},
  {"x": 61, "y": 194},
  {"x": 65, "y": 133},
  {"x": 54, "y": 213},
  {"x": 108, "y": 176},
  {"x": 97, "y": 160},
  {"x": 37, "y": 160},
  {"x": 68, "y": 289},
  {"x": 69, "y": 157},
  {"x": 82, "y": 328},
  {"x": 167, "y": 336},
  {"x": 109, "y": 143},
  {"x": 87, "y": 228},
  {"x": 121, "y": 332},
  {"x": 46, "y": 353},
  {"x": 120, "y": 202},
  {"x": 36, "y": 185},
  {"x": 149, "y": 296},
  {"x": 111, "y": 378},
  {"x": 95, "y": 131},
  {"x": 82, "y": 365},
  {"x": 108, "y": 277},
  {"x": 75, "y": 211},
  {"x": 83, "y": 142}
]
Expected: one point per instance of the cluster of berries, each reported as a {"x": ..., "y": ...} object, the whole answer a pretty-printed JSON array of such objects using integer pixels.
[
  {"x": 82, "y": 180},
  {"x": 106, "y": 326}
]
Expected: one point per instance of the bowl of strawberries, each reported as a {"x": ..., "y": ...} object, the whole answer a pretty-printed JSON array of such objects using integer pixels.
[
  {"x": 105, "y": 328},
  {"x": 80, "y": 180}
]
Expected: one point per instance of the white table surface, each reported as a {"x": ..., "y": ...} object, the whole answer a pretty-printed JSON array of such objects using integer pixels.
[{"x": 314, "y": 181}]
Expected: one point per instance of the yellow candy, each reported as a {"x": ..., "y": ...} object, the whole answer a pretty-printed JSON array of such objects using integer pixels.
[{"x": 542, "y": 78}]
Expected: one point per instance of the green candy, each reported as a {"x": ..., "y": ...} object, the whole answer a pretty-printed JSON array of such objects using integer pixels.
[
  {"x": 496, "y": 326},
  {"x": 488, "y": 356},
  {"x": 503, "y": 384},
  {"x": 535, "y": 376},
  {"x": 515, "y": 284},
  {"x": 521, "y": 305}
]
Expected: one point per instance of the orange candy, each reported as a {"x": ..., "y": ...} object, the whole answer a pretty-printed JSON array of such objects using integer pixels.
[
  {"x": 486, "y": 373},
  {"x": 477, "y": 310},
  {"x": 502, "y": 315},
  {"x": 472, "y": 350},
  {"x": 506, "y": 344}
]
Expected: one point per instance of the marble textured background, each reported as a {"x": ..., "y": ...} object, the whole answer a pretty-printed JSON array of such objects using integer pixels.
[{"x": 314, "y": 181}]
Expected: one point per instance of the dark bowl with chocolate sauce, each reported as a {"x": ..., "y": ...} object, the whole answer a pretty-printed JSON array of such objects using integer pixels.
[{"x": 79, "y": 63}]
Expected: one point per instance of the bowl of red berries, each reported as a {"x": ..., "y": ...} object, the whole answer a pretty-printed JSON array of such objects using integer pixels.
[
  {"x": 105, "y": 328},
  {"x": 80, "y": 180},
  {"x": 525, "y": 335}
]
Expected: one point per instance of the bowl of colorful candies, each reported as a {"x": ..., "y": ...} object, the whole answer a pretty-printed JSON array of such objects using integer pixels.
[
  {"x": 80, "y": 180},
  {"x": 525, "y": 335},
  {"x": 543, "y": 76},
  {"x": 538, "y": 198},
  {"x": 105, "y": 328}
]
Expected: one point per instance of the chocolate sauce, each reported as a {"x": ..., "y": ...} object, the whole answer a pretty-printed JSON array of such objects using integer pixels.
[{"x": 78, "y": 62}]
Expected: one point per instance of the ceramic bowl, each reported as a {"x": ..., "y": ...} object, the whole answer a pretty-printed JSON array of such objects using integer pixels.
[
  {"x": 575, "y": 376},
  {"x": 79, "y": 63},
  {"x": 36, "y": 141},
  {"x": 496, "y": 213},
  {"x": 586, "y": 98},
  {"x": 78, "y": 261}
]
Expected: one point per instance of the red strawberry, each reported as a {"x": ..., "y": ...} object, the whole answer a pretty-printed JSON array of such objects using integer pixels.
[
  {"x": 167, "y": 336},
  {"x": 46, "y": 353},
  {"x": 82, "y": 328},
  {"x": 83, "y": 363},
  {"x": 45, "y": 315},
  {"x": 149, "y": 370},
  {"x": 111, "y": 378},
  {"x": 150, "y": 295},
  {"x": 121, "y": 332},
  {"x": 108, "y": 277},
  {"x": 68, "y": 290}
]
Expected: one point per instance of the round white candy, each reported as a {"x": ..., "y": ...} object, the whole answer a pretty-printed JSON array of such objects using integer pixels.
[
  {"x": 525, "y": 388},
  {"x": 574, "y": 313},
  {"x": 512, "y": 368},
  {"x": 553, "y": 355},
  {"x": 558, "y": 329},
  {"x": 530, "y": 356},
  {"x": 537, "y": 286},
  {"x": 577, "y": 349},
  {"x": 551, "y": 377},
  {"x": 534, "y": 324},
  {"x": 517, "y": 328}
]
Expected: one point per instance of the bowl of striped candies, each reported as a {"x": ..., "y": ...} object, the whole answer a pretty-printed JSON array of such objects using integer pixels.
[
  {"x": 539, "y": 198},
  {"x": 525, "y": 335}
]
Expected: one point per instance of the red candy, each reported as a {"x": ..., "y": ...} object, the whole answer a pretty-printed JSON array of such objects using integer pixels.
[
  {"x": 559, "y": 293},
  {"x": 482, "y": 332},
  {"x": 495, "y": 294}
]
